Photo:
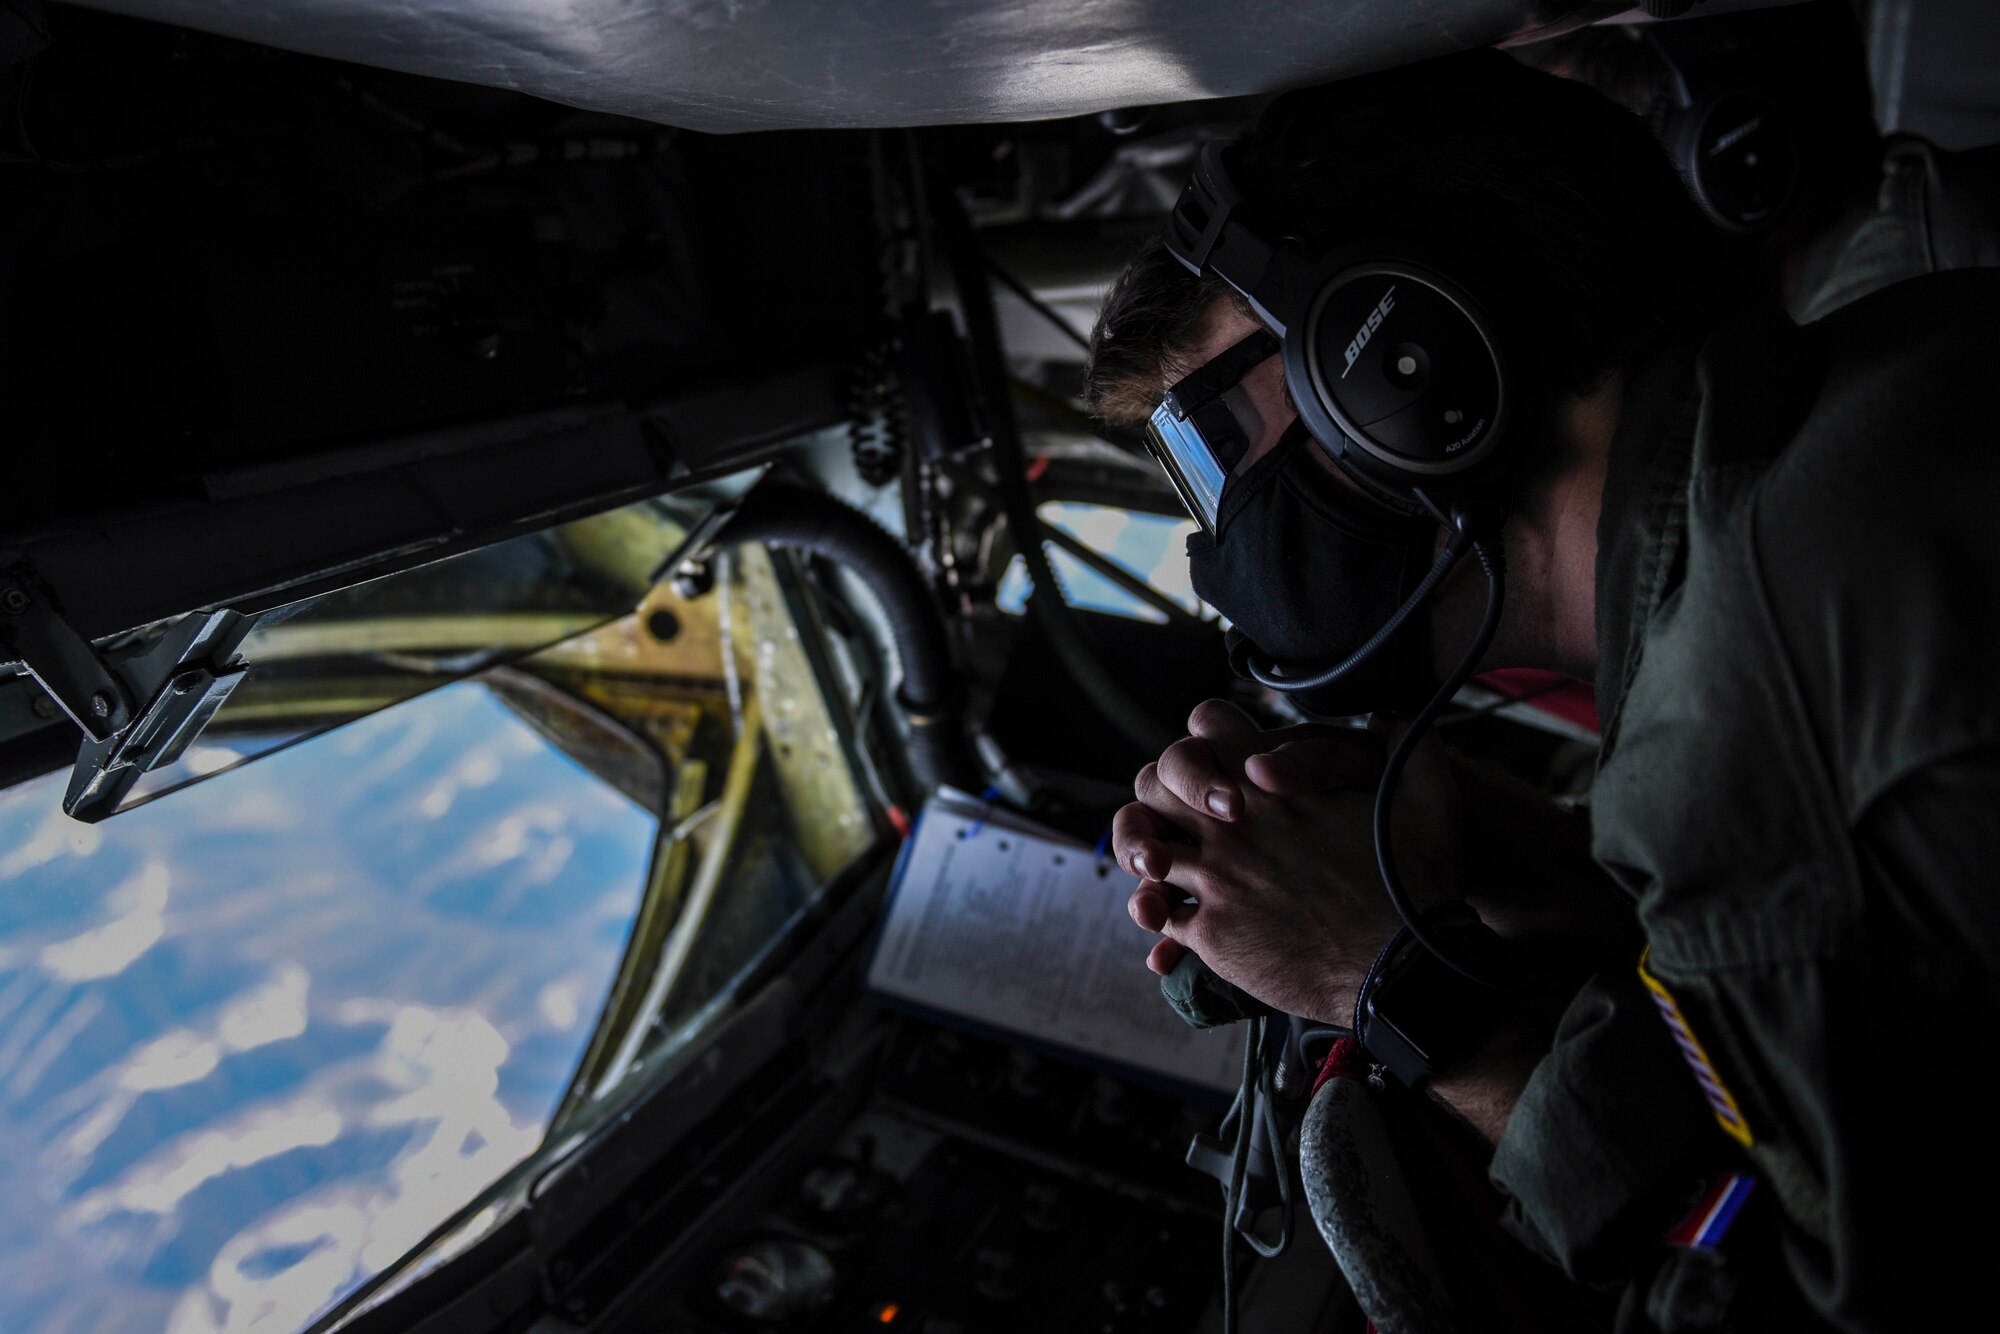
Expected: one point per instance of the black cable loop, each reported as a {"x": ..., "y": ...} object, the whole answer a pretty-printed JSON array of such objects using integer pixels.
[
  {"x": 1277, "y": 677},
  {"x": 1280, "y": 1161},
  {"x": 1493, "y": 558},
  {"x": 1239, "y": 1160}
]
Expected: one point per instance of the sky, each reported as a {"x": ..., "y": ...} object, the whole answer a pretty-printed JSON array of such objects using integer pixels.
[
  {"x": 259, "y": 1036},
  {"x": 1152, "y": 546}
]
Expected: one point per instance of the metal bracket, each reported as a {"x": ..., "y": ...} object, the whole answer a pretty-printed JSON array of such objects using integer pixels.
[
  {"x": 183, "y": 679},
  {"x": 62, "y": 662}
]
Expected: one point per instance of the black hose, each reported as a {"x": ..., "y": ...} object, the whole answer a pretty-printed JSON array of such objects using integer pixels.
[
  {"x": 989, "y": 366},
  {"x": 931, "y": 695}
]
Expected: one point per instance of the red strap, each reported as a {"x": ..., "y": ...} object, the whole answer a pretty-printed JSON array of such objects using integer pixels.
[
  {"x": 1571, "y": 701},
  {"x": 1345, "y": 1060}
]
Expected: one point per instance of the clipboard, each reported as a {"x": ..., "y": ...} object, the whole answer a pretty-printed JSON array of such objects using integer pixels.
[{"x": 1004, "y": 926}]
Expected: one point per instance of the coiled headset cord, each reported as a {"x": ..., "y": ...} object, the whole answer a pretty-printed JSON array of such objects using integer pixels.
[
  {"x": 1276, "y": 676},
  {"x": 1256, "y": 1066},
  {"x": 1493, "y": 557}
]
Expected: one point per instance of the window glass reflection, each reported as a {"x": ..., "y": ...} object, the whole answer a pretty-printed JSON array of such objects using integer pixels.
[
  {"x": 258, "y": 1039},
  {"x": 261, "y": 1036}
]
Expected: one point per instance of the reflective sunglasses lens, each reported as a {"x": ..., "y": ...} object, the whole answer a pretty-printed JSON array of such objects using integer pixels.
[{"x": 1189, "y": 463}]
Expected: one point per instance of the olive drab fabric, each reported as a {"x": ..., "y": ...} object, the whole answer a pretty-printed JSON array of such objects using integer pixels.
[{"x": 1798, "y": 609}]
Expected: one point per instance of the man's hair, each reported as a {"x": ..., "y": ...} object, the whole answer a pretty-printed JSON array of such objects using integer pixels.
[{"x": 1556, "y": 206}]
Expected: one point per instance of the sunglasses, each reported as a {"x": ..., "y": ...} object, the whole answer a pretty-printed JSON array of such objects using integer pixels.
[{"x": 1194, "y": 434}]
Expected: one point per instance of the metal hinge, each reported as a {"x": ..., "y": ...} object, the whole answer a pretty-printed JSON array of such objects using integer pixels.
[{"x": 137, "y": 714}]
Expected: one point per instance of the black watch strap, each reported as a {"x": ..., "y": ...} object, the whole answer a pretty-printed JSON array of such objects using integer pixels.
[{"x": 1415, "y": 1013}]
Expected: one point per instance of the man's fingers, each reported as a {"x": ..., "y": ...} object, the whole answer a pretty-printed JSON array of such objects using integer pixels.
[
  {"x": 1180, "y": 816},
  {"x": 1201, "y": 779},
  {"x": 1166, "y": 953},
  {"x": 1219, "y": 720},
  {"x": 1184, "y": 861},
  {"x": 1178, "y": 928},
  {"x": 1149, "y": 906},
  {"x": 1326, "y": 762},
  {"x": 1203, "y": 769},
  {"x": 1139, "y": 842}
]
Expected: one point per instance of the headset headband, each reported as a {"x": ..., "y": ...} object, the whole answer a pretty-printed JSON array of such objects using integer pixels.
[
  {"x": 1395, "y": 369},
  {"x": 1204, "y": 234}
]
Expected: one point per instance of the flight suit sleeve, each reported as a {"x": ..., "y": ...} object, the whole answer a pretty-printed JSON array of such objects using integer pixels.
[
  {"x": 1607, "y": 1139},
  {"x": 1908, "y": 1155},
  {"x": 1857, "y": 1076}
]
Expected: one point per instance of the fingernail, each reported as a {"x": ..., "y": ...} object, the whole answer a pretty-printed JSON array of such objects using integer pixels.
[
  {"x": 1139, "y": 866},
  {"x": 1222, "y": 805}
]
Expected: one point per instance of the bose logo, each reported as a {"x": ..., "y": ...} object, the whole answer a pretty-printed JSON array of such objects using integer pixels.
[
  {"x": 1369, "y": 326},
  {"x": 1737, "y": 135}
]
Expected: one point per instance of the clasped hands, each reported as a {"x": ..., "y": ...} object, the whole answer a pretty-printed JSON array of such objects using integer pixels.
[{"x": 1254, "y": 849}]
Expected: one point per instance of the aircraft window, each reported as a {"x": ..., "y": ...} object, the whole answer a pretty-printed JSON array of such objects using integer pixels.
[
  {"x": 260, "y": 1039},
  {"x": 1152, "y": 547},
  {"x": 330, "y": 659}
]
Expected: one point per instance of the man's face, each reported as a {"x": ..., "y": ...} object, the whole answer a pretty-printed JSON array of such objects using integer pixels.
[
  {"x": 1259, "y": 402},
  {"x": 1263, "y": 408}
]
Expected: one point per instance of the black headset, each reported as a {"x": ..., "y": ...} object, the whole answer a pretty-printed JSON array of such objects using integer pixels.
[
  {"x": 1400, "y": 373},
  {"x": 1396, "y": 369},
  {"x": 1732, "y": 141}
]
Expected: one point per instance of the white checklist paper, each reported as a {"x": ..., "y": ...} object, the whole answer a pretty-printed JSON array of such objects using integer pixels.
[{"x": 1011, "y": 926}]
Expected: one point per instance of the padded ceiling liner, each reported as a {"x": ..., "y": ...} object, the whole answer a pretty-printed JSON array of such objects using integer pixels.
[{"x": 731, "y": 65}]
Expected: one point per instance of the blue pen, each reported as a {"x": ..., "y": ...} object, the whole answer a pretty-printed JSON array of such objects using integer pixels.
[{"x": 986, "y": 800}]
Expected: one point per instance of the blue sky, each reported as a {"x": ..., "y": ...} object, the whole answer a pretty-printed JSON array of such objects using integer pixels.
[{"x": 259, "y": 1036}]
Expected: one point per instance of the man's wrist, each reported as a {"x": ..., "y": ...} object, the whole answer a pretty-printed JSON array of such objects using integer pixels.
[
  {"x": 1422, "y": 1010},
  {"x": 1482, "y": 1089},
  {"x": 1345, "y": 976}
]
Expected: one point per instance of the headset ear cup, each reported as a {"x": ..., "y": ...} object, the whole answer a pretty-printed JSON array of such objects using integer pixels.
[
  {"x": 1736, "y": 150},
  {"x": 1743, "y": 156},
  {"x": 1398, "y": 372}
]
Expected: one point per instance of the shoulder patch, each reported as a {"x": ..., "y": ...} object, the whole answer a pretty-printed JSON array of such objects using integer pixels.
[
  {"x": 1720, "y": 1100},
  {"x": 1713, "y": 1212}
]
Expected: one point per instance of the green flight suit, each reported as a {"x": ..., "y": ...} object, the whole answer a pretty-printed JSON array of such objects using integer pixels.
[{"x": 1798, "y": 613}]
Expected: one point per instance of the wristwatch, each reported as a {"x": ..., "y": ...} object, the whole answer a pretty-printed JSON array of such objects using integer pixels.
[{"x": 1416, "y": 1014}]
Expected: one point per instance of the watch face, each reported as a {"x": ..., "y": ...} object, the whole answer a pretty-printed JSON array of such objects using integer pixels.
[{"x": 1424, "y": 1015}]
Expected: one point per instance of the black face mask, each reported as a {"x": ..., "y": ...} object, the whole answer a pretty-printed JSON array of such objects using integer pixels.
[{"x": 1308, "y": 570}]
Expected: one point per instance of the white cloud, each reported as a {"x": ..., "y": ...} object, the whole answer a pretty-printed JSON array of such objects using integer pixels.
[
  {"x": 257, "y": 808},
  {"x": 57, "y": 835},
  {"x": 159, "y": 1183},
  {"x": 53, "y": 1043},
  {"x": 480, "y": 767},
  {"x": 436, "y": 803},
  {"x": 255, "y": 1302},
  {"x": 206, "y": 760},
  {"x": 170, "y": 1060},
  {"x": 109, "y": 950},
  {"x": 561, "y": 1004},
  {"x": 272, "y": 1013}
]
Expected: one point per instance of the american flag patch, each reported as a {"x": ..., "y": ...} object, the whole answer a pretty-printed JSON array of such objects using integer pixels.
[
  {"x": 1714, "y": 1209},
  {"x": 1720, "y": 1099}
]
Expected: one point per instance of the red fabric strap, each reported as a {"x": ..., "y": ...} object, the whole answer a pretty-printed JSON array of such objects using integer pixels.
[{"x": 1346, "y": 1059}]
